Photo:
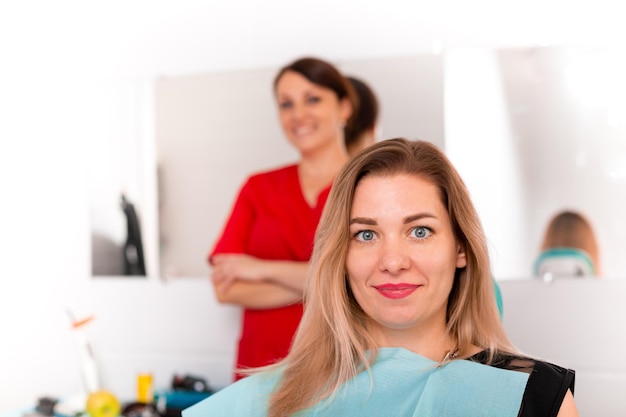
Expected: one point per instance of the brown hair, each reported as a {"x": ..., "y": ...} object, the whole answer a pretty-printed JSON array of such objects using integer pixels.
[
  {"x": 570, "y": 229},
  {"x": 366, "y": 114},
  {"x": 332, "y": 343},
  {"x": 324, "y": 74}
]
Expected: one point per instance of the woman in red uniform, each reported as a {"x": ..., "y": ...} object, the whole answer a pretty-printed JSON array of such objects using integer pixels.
[{"x": 261, "y": 259}]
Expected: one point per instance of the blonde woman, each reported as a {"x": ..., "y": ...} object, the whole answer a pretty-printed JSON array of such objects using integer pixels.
[{"x": 400, "y": 318}]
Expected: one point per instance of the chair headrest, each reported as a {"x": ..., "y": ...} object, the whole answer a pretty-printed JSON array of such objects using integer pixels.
[{"x": 563, "y": 262}]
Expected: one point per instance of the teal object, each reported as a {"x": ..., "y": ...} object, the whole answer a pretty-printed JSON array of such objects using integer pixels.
[
  {"x": 498, "y": 294},
  {"x": 179, "y": 399},
  {"x": 574, "y": 254},
  {"x": 402, "y": 384}
]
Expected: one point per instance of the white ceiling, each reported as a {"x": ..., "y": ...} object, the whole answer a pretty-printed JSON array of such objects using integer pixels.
[{"x": 143, "y": 37}]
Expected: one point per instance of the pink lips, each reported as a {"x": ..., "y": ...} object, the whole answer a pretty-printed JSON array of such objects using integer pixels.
[{"x": 396, "y": 291}]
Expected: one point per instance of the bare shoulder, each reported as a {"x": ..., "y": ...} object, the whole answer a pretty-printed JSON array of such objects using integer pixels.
[{"x": 568, "y": 406}]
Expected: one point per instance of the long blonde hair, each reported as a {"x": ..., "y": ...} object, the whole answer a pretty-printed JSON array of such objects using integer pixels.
[{"x": 332, "y": 344}]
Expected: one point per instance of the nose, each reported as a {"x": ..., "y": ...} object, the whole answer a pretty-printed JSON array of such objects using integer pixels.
[
  {"x": 394, "y": 257},
  {"x": 297, "y": 112}
]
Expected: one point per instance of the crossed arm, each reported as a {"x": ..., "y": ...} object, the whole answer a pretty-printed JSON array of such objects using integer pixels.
[{"x": 257, "y": 283}]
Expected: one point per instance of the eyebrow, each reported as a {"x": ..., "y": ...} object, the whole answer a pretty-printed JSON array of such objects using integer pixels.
[
  {"x": 408, "y": 219},
  {"x": 418, "y": 216},
  {"x": 309, "y": 91},
  {"x": 363, "y": 220}
]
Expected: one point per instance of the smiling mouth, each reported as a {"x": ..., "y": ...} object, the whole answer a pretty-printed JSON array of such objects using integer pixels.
[
  {"x": 302, "y": 131},
  {"x": 396, "y": 291}
]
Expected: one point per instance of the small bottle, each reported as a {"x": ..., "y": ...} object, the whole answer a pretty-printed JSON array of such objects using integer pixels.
[
  {"x": 88, "y": 365},
  {"x": 144, "y": 388}
]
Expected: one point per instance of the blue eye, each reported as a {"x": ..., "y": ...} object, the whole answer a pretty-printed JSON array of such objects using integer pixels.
[
  {"x": 285, "y": 105},
  {"x": 421, "y": 232},
  {"x": 365, "y": 235},
  {"x": 313, "y": 100}
]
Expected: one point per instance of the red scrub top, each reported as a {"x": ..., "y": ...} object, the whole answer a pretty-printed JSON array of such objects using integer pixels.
[{"x": 271, "y": 220}]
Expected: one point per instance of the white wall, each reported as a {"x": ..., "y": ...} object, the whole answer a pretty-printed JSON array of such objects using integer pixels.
[
  {"x": 120, "y": 162},
  {"x": 578, "y": 324},
  {"x": 482, "y": 146},
  {"x": 529, "y": 144},
  {"x": 142, "y": 324}
]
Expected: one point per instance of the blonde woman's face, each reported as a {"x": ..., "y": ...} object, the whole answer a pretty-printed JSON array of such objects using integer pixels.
[
  {"x": 402, "y": 256},
  {"x": 312, "y": 116}
]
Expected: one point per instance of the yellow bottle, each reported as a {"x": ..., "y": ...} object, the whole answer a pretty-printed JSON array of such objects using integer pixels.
[{"x": 144, "y": 388}]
